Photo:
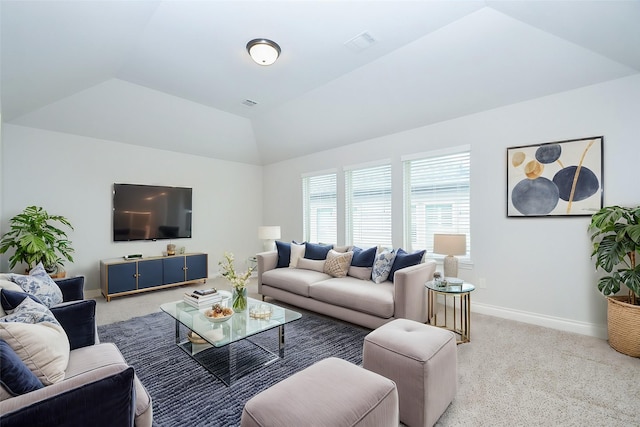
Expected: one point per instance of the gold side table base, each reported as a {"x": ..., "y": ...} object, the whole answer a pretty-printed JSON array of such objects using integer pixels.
[{"x": 461, "y": 312}]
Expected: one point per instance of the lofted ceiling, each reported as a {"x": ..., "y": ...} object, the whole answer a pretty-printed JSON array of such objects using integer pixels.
[{"x": 174, "y": 74}]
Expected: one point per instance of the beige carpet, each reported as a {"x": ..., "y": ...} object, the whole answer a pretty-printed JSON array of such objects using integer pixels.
[{"x": 510, "y": 374}]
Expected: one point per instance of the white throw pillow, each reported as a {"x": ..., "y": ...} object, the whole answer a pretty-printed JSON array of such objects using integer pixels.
[
  {"x": 297, "y": 252},
  {"x": 382, "y": 265},
  {"x": 43, "y": 346}
]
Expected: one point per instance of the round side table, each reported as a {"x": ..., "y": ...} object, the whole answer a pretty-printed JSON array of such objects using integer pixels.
[{"x": 455, "y": 298}]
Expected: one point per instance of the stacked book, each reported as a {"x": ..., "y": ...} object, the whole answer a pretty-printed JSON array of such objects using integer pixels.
[{"x": 202, "y": 298}]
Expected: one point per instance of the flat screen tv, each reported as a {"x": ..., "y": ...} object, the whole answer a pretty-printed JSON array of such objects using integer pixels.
[{"x": 150, "y": 212}]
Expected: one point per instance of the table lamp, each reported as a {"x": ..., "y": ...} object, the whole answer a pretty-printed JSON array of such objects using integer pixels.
[
  {"x": 450, "y": 245},
  {"x": 269, "y": 234}
]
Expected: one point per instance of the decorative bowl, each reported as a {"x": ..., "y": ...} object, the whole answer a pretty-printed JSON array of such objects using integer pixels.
[{"x": 208, "y": 314}]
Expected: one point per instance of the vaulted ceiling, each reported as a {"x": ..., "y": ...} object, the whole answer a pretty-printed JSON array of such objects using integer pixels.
[{"x": 175, "y": 74}]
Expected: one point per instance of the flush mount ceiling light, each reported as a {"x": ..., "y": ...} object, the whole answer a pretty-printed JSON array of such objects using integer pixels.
[{"x": 263, "y": 51}]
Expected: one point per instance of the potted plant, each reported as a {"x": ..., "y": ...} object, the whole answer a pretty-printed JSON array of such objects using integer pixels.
[
  {"x": 616, "y": 244},
  {"x": 35, "y": 239}
]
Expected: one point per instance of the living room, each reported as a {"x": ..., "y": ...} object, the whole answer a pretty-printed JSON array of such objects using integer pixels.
[{"x": 534, "y": 270}]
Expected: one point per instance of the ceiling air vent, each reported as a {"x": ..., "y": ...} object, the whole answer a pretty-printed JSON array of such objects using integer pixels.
[
  {"x": 249, "y": 103},
  {"x": 360, "y": 42}
]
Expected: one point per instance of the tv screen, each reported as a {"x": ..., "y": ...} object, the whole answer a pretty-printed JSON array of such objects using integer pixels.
[{"x": 151, "y": 212}]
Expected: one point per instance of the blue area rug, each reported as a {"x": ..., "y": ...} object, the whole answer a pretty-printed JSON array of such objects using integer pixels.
[{"x": 186, "y": 394}]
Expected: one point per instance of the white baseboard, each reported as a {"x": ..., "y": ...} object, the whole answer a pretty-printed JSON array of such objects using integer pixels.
[{"x": 584, "y": 328}]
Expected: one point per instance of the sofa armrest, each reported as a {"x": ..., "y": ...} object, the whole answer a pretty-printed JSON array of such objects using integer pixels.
[
  {"x": 78, "y": 319},
  {"x": 410, "y": 292},
  {"x": 72, "y": 288},
  {"x": 266, "y": 261},
  {"x": 102, "y": 397}
]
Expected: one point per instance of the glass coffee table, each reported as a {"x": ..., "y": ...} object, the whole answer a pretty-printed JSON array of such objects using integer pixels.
[{"x": 234, "y": 347}]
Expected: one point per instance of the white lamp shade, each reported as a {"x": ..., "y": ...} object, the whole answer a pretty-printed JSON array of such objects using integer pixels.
[
  {"x": 450, "y": 244},
  {"x": 263, "y": 51},
  {"x": 269, "y": 232}
]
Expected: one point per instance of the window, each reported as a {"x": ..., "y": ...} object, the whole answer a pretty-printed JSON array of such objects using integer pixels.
[
  {"x": 368, "y": 206},
  {"x": 319, "y": 208},
  {"x": 437, "y": 193}
]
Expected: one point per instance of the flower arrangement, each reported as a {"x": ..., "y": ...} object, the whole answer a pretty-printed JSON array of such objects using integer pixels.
[{"x": 238, "y": 282}]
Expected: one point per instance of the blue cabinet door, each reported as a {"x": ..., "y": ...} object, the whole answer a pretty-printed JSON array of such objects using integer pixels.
[
  {"x": 121, "y": 277},
  {"x": 150, "y": 273},
  {"x": 173, "y": 269},
  {"x": 197, "y": 267}
]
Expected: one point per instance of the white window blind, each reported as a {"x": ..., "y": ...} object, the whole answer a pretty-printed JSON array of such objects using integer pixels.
[
  {"x": 437, "y": 198},
  {"x": 368, "y": 206},
  {"x": 319, "y": 208}
]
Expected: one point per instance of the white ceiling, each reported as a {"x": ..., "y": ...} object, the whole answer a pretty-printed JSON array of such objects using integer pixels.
[{"x": 173, "y": 74}]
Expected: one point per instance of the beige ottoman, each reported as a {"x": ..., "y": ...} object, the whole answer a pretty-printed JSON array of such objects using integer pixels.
[
  {"x": 332, "y": 392},
  {"x": 422, "y": 361}
]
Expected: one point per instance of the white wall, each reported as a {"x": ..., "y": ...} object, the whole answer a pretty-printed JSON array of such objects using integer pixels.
[
  {"x": 73, "y": 176},
  {"x": 537, "y": 270}
]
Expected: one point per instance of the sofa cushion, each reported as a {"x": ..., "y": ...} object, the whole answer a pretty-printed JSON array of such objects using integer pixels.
[
  {"x": 312, "y": 264},
  {"x": 337, "y": 264},
  {"x": 382, "y": 265},
  {"x": 94, "y": 357},
  {"x": 317, "y": 251},
  {"x": 284, "y": 254},
  {"x": 404, "y": 259},
  {"x": 356, "y": 294},
  {"x": 363, "y": 257},
  {"x": 296, "y": 280},
  {"x": 362, "y": 273},
  {"x": 15, "y": 377}
]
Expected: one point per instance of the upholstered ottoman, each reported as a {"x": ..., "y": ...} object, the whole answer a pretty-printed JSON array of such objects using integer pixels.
[
  {"x": 332, "y": 392},
  {"x": 422, "y": 361}
]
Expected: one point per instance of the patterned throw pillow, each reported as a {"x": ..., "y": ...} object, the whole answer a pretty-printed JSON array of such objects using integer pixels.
[
  {"x": 40, "y": 343},
  {"x": 337, "y": 264},
  {"x": 22, "y": 308},
  {"x": 382, "y": 265},
  {"x": 40, "y": 284}
]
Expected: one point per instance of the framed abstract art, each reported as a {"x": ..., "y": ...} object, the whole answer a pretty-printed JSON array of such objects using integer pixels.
[{"x": 562, "y": 178}]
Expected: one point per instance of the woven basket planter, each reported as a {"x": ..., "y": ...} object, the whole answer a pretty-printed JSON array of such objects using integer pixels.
[{"x": 623, "y": 320}]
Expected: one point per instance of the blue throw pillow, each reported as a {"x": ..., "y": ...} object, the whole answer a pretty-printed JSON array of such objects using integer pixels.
[
  {"x": 403, "y": 259},
  {"x": 363, "y": 257},
  {"x": 317, "y": 251},
  {"x": 284, "y": 254},
  {"x": 15, "y": 377},
  {"x": 11, "y": 299},
  {"x": 78, "y": 319}
]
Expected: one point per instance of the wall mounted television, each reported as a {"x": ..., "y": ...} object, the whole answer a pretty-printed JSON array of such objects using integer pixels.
[{"x": 151, "y": 212}]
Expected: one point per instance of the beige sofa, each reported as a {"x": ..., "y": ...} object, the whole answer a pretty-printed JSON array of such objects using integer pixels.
[{"x": 358, "y": 301}]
